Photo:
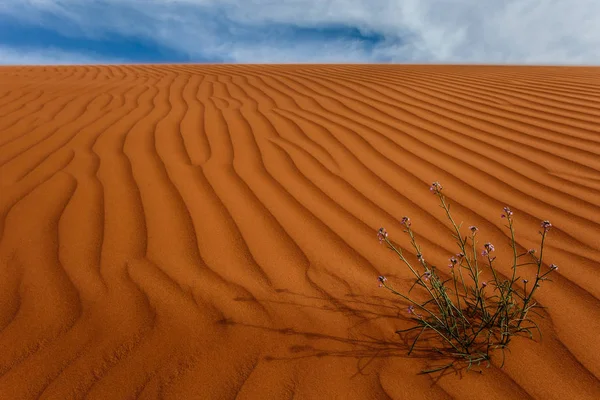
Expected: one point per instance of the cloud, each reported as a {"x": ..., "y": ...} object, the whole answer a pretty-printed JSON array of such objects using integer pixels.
[
  {"x": 49, "y": 56},
  {"x": 413, "y": 31}
]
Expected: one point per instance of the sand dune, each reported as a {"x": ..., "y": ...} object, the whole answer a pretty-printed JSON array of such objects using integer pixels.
[{"x": 183, "y": 231}]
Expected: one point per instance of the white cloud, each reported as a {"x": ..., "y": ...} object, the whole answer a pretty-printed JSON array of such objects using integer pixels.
[
  {"x": 48, "y": 56},
  {"x": 440, "y": 31}
]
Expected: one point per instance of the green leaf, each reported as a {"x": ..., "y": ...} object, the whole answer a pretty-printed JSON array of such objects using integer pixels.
[
  {"x": 415, "y": 342},
  {"x": 429, "y": 371}
]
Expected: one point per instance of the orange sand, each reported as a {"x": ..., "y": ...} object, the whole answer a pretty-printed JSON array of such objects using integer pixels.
[{"x": 209, "y": 232}]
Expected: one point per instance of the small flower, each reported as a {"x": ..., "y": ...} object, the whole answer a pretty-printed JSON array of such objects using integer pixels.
[
  {"x": 507, "y": 213},
  {"x": 473, "y": 229},
  {"x": 460, "y": 256},
  {"x": 531, "y": 251},
  {"x": 420, "y": 258},
  {"x": 435, "y": 188},
  {"x": 427, "y": 275},
  {"x": 553, "y": 267},
  {"x": 381, "y": 279},
  {"x": 382, "y": 234},
  {"x": 405, "y": 221},
  {"x": 453, "y": 262},
  {"x": 411, "y": 309},
  {"x": 546, "y": 225},
  {"x": 488, "y": 249},
  {"x": 483, "y": 284},
  {"x": 525, "y": 281}
]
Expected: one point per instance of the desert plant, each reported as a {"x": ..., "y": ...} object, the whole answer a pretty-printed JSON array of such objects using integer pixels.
[{"x": 469, "y": 317}]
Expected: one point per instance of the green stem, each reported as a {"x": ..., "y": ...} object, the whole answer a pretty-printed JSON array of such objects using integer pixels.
[
  {"x": 419, "y": 279},
  {"x": 535, "y": 285}
]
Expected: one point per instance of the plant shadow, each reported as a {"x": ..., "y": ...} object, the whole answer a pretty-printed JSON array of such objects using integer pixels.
[{"x": 364, "y": 345}]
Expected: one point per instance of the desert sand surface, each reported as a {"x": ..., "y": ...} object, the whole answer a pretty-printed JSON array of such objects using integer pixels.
[{"x": 209, "y": 231}]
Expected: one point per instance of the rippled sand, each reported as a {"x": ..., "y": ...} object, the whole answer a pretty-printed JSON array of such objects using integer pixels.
[{"x": 187, "y": 231}]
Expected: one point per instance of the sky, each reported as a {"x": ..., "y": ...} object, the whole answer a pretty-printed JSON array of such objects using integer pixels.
[{"x": 563, "y": 32}]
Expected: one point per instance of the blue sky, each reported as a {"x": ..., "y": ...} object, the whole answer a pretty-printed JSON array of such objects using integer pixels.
[{"x": 300, "y": 31}]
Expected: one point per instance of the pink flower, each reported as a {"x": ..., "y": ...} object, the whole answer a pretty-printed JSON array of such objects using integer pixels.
[
  {"x": 473, "y": 229},
  {"x": 488, "y": 249},
  {"x": 382, "y": 234},
  {"x": 483, "y": 284},
  {"x": 411, "y": 309},
  {"x": 427, "y": 275},
  {"x": 435, "y": 188},
  {"x": 531, "y": 251},
  {"x": 546, "y": 225},
  {"x": 405, "y": 221},
  {"x": 382, "y": 280},
  {"x": 553, "y": 267},
  {"x": 453, "y": 262},
  {"x": 507, "y": 213},
  {"x": 420, "y": 258}
]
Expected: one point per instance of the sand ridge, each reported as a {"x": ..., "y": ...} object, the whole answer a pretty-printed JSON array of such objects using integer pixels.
[{"x": 208, "y": 231}]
